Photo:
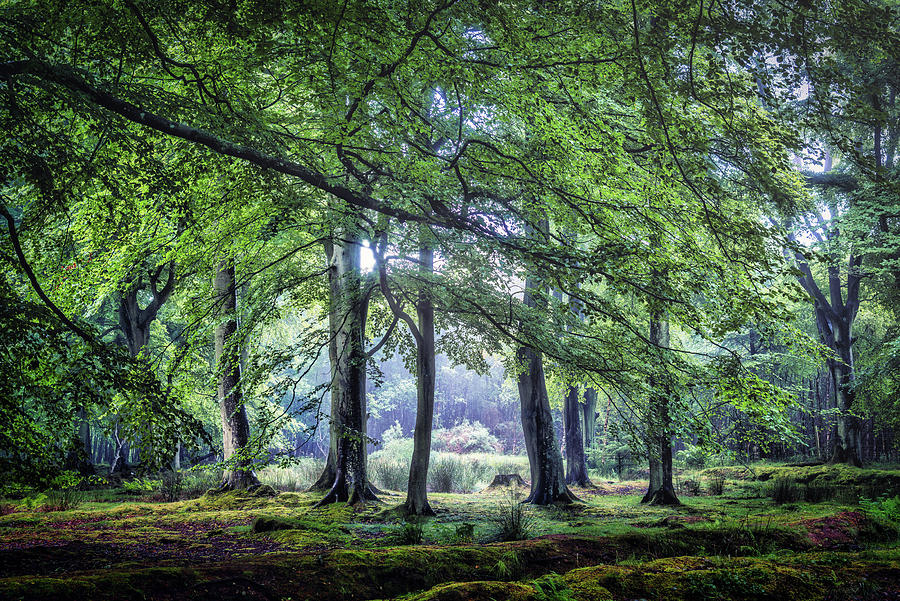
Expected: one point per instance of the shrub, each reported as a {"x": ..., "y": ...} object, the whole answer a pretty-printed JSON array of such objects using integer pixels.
[
  {"x": 140, "y": 486},
  {"x": 65, "y": 494},
  {"x": 445, "y": 473},
  {"x": 884, "y": 507},
  {"x": 296, "y": 476},
  {"x": 690, "y": 488},
  {"x": 172, "y": 484},
  {"x": 196, "y": 482},
  {"x": 466, "y": 437},
  {"x": 716, "y": 484},
  {"x": 692, "y": 457},
  {"x": 390, "y": 473},
  {"x": 513, "y": 520}
]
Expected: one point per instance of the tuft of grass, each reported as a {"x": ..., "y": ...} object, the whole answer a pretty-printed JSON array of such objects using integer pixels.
[
  {"x": 412, "y": 532},
  {"x": 512, "y": 519},
  {"x": 715, "y": 484},
  {"x": 391, "y": 474}
]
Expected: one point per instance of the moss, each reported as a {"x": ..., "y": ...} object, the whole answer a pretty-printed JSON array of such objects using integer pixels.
[
  {"x": 700, "y": 578},
  {"x": 132, "y": 584},
  {"x": 477, "y": 591}
]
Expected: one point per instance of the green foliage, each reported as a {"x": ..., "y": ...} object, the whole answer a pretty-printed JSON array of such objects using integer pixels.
[
  {"x": 140, "y": 486},
  {"x": 411, "y": 532},
  {"x": 512, "y": 519},
  {"x": 551, "y": 587},
  {"x": 884, "y": 508},
  {"x": 466, "y": 437}
]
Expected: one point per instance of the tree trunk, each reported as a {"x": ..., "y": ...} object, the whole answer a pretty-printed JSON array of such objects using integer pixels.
[
  {"x": 848, "y": 444},
  {"x": 329, "y": 472},
  {"x": 576, "y": 462},
  {"x": 660, "y": 491},
  {"x": 416, "y": 491},
  {"x": 349, "y": 382},
  {"x": 589, "y": 409},
  {"x": 548, "y": 484},
  {"x": 235, "y": 426}
]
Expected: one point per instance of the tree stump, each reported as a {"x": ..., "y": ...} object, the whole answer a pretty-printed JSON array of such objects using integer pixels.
[{"x": 507, "y": 480}]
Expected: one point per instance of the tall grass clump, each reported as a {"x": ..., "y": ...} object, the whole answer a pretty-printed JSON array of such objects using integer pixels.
[
  {"x": 392, "y": 474},
  {"x": 784, "y": 491},
  {"x": 296, "y": 477},
  {"x": 446, "y": 473},
  {"x": 512, "y": 519}
]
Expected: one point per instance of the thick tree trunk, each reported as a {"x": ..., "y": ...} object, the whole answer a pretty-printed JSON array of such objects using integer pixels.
[
  {"x": 416, "y": 491},
  {"x": 661, "y": 490},
  {"x": 576, "y": 462},
  {"x": 548, "y": 482},
  {"x": 329, "y": 472},
  {"x": 848, "y": 444},
  {"x": 349, "y": 382},
  {"x": 235, "y": 426}
]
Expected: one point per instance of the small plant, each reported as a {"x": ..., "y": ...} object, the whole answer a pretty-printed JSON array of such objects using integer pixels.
[
  {"x": 65, "y": 494},
  {"x": 140, "y": 486},
  {"x": 785, "y": 491},
  {"x": 464, "y": 533},
  {"x": 513, "y": 520},
  {"x": 172, "y": 484},
  {"x": 508, "y": 566},
  {"x": 412, "y": 532},
  {"x": 551, "y": 587},
  {"x": 883, "y": 508},
  {"x": 390, "y": 473},
  {"x": 716, "y": 484},
  {"x": 32, "y": 502},
  {"x": 690, "y": 488}
]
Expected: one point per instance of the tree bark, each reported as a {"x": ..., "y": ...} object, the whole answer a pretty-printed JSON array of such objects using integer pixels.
[
  {"x": 349, "y": 382},
  {"x": 589, "y": 409},
  {"x": 416, "y": 491},
  {"x": 235, "y": 426},
  {"x": 576, "y": 462},
  {"x": 660, "y": 491},
  {"x": 548, "y": 483}
]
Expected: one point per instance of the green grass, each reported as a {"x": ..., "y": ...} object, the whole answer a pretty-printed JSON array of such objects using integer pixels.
[{"x": 604, "y": 528}]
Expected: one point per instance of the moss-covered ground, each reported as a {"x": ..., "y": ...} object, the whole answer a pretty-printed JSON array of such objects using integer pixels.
[{"x": 737, "y": 545}]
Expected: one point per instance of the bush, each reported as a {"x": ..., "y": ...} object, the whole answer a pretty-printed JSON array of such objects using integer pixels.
[
  {"x": 65, "y": 494},
  {"x": 445, "y": 473},
  {"x": 692, "y": 457},
  {"x": 196, "y": 482},
  {"x": 716, "y": 484},
  {"x": 467, "y": 437},
  {"x": 513, "y": 520},
  {"x": 884, "y": 507},
  {"x": 172, "y": 484},
  {"x": 297, "y": 476},
  {"x": 390, "y": 473},
  {"x": 140, "y": 486}
]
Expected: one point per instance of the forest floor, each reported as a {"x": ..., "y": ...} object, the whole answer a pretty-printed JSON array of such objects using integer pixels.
[{"x": 834, "y": 534}]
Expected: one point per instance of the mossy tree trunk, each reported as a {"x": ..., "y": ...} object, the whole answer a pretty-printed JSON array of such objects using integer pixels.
[
  {"x": 416, "y": 492},
  {"x": 349, "y": 377},
  {"x": 235, "y": 425},
  {"x": 548, "y": 479},
  {"x": 327, "y": 477},
  {"x": 576, "y": 461},
  {"x": 589, "y": 409},
  {"x": 661, "y": 490}
]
